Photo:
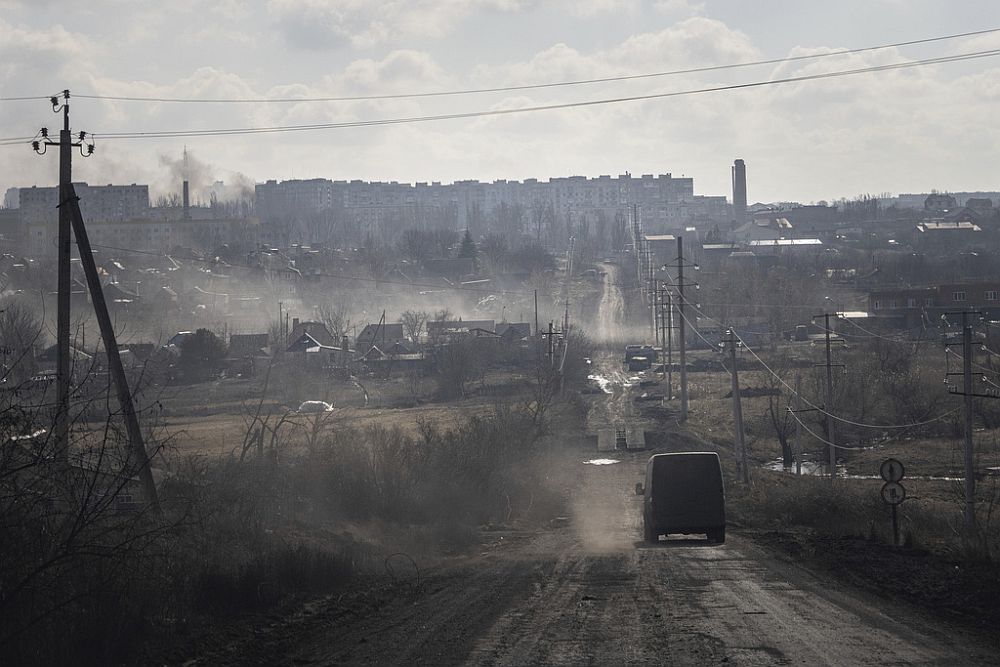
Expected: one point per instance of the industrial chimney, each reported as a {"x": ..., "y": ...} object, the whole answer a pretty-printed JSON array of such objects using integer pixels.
[
  {"x": 739, "y": 191},
  {"x": 186, "y": 201}
]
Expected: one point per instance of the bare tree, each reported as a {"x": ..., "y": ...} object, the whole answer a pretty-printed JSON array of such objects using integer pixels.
[
  {"x": 336, "y": 316},
  {"x": 20, "y": 337},
  {"x": 413, "y": 323}
]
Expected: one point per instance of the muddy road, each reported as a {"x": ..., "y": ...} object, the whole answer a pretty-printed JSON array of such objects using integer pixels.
[{"x": 588, "y": 591}]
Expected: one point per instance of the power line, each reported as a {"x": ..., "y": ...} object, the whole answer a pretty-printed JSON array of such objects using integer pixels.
[
  {"x": 830, "y": 414},
  {"x": 519, "y": 87},
  {"x": 167, "y": 134}
]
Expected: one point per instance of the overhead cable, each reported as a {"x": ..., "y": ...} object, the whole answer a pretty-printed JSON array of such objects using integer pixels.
[{"x": 521, "y": 87}]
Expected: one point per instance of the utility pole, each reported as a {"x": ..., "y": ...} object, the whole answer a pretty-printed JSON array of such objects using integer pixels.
[
  {"x": 969, "y": 515},
  {"x": 742, "y": 468},
  {"x": 670, "y": 346},
  {"x": 970, "y": 471},
  {"x": 828, "y": 408},
  {"x": 656, "y": 313},
  {"x": 829, "y": 402},
  {"x": 536, "y": 313},
  {"x": 64, "y": 254},
  {"x": 682, "y": 327},
  {"x": 70, "y": 224},
  {"x": 550, "y": 335},
  {"x": 798, "y": 425},
  {"x": 114, "y": 358}
]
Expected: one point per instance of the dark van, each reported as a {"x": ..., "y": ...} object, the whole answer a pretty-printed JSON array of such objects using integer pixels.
[{"x": 683, "y": 494}]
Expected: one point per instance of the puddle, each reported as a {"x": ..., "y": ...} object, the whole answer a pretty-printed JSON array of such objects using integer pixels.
[
  {"x": 602, "y": 382},
  {"x": 601, "y": 462},
  {"x": 821, "y": 469}
]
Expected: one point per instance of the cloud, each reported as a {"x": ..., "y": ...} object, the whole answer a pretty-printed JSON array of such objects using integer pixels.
[
  {"x": 679, "y": 7},
  {"x": 331, "y": 24}
]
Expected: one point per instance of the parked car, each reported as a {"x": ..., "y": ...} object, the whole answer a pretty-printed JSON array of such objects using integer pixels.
[{"x": 309, "y": 407}]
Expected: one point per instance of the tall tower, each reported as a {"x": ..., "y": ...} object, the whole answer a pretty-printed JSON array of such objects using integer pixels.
[
  {"x": 740, "y": 191},
  {"x": 185, "y": 193}
]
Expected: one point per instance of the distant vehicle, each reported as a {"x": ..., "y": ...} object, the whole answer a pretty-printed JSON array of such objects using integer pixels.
[
  {"x": 314, "y": 406},
  {"x": 639, "y": 363},
  {"x": 173, "y": 345},
  {"x": 684, "y": 494},
  {"x": 647, "y": 351}
]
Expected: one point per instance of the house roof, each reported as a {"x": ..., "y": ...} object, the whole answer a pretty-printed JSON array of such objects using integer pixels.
[
  {"x": 942, "y": 226},
  {"x": 391, "y": 331},
  {"x": 248, "y": 345},
  {"x": 317, "y": 330},
  {"x": 520, "y": 329},
  {"x": 460, "y": 325},
  {"x": 306, "y": 343},
  {"x": 764, "y": 243}
]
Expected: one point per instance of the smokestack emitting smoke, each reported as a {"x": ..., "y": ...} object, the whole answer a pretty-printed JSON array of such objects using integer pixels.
[
  {"x": 186, "y": 201},
  {"x": 739, "y": 191}
]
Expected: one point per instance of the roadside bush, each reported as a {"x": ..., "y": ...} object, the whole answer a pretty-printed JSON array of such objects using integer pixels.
[{"x": 480, "y": 471}]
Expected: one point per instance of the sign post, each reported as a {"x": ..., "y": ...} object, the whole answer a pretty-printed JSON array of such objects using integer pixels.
[{"x": 893, "y": 493}]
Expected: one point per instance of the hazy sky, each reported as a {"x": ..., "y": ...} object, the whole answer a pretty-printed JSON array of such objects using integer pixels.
[{"x": 898, "y": 131}]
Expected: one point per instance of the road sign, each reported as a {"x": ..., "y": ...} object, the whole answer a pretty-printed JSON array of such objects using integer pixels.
[
  {"x": 891, "y": 470},
  {"x": 893, "y": 493}
]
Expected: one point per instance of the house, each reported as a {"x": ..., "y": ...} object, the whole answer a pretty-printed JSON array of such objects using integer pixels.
[
  {"x": 246, "y": 351},
  {"x": 766, "y": 228},
  {"x": 914, "y": 306},
  {"x": 314, "y": 355},
  {"x": 382, "y": 334},
  {"x": 939, "y": 202},
  {"x": 455, "y": 328},
  {"x": 317, "y": 330},
  {"x": 513, "y": 332},
  {"x": 944, "y": 234},
  {"x": 783, "y": 246}
]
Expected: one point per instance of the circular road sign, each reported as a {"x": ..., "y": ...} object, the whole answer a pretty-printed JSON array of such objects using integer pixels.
[
  {"x": 893, "y": 493},
  {"x": 891, "y": 470}
]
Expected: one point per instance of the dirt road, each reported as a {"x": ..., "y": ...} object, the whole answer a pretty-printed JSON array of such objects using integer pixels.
[
  {"x": 611, "y": 309},
  {"x": 589, "y": 592}
]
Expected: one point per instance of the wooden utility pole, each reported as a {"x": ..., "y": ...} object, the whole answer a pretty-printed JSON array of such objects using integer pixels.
[
  {"x": 682, "y": 327},
  {"x": 742, "y": 468}
]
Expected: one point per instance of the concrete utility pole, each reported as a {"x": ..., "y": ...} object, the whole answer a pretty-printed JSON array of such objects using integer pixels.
[
  {"x": 829, "y": 402},
  {"x": 798, "y": 425},
  {"x": 670, "y": 346},
  {"x": 682, "y": 327},
  {"x": 742, "y": 469},
  {"x": 969, "y": 515},
  {"x": 536, "y": 315},
  {"x": 64, "y": 255},
  {"x": 970, "y": 470},
  {"x": 656, "y": 313},
  {"x": 828, "y": 408},
  {"x": 114, "y": 359},
  {"x": 71, "y": 223}
]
